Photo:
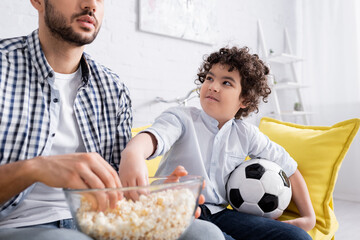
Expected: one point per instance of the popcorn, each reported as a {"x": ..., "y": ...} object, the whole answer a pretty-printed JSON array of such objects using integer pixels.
[{"x": 160, "y": 215}]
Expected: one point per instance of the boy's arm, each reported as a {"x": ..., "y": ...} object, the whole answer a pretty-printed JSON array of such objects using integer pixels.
[
  {"x": 133, "y": 170},
  {"x": 301, "y": 197}
]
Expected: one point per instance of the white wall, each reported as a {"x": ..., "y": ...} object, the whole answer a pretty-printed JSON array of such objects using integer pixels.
[
  {"x": 153, "y": 65},
  {"x": 157, "y": 66}
]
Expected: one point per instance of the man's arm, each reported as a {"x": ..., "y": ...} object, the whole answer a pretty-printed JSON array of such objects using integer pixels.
[
  {"x": 14, "y": 178},
  {"x": 78, "y": 170}
]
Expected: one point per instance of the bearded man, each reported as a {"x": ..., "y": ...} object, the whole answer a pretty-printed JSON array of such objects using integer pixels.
[{"x": 64, "y": 120}]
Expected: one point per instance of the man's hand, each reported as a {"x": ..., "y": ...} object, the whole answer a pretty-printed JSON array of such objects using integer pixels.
[
  {"x": 75, "y": 171},
  {"x": 79, "y": 171}
]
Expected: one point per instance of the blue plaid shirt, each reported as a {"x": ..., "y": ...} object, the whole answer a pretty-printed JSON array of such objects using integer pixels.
[{"x": 27, "y": 124}]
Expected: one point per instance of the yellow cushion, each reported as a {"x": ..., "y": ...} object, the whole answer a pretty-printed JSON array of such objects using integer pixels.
[
  {"x": 152, "y": 164},
  {"x": 319, "y": 152}
]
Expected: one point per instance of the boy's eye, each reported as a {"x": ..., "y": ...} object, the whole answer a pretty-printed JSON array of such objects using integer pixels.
[
  {"x": 227, "y": 83},
  {"x": 209, "y": 78}
]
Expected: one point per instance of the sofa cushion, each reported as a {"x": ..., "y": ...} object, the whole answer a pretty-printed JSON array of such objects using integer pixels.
[{"x": 319, "y": 151}]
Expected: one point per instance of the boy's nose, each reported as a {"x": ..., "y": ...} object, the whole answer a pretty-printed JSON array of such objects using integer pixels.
[{"x": 214, "y": 87}]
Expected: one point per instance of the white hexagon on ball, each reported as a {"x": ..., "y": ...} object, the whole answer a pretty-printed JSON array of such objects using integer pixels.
[{"x": 251, "y": 190}]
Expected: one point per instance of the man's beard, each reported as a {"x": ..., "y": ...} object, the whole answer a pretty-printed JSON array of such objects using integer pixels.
[{"x": 56, "y": 22}]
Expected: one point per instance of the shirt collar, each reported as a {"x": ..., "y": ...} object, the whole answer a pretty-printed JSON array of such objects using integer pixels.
[
  {"x": 41, "y": 64},
  {"x": 212, "y": 123},
  {"x": 85, "y": 69}
]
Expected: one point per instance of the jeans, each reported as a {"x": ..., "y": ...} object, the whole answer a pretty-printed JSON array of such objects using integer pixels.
[
  {"x": 65, "y": 230},
  {"x": 250, "y": 227},
  {"x": 59, "y": 230},
  {"x": 64, "y": 223}
]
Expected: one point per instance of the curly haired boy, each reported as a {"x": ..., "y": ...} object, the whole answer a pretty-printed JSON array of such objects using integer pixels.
[{"x": 213, "y": 141}]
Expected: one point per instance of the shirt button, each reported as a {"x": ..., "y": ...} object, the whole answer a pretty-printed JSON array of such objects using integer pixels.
[
  {"x": 51, "y": 75},
  {"x": 55, "y": 100},
  {"x": 53, "y": 135}
]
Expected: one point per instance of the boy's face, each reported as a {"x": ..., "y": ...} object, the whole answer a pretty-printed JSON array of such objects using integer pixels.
[
  {"x": 75, "y": 21},
  {"x": 220, "y": 93}
]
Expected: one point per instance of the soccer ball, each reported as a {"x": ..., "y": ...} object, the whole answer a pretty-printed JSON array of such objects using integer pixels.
[{"x": 259, "y": 187}]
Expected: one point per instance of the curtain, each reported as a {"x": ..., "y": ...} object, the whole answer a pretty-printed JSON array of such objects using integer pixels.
[{"x": 331, "y": 50}]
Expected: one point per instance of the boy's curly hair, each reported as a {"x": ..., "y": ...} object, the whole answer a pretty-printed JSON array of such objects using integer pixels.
[{"x": 252, "y": 70}]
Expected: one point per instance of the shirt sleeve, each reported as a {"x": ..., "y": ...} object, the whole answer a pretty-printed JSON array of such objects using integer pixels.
[
  {"x": 167, "y": 129},
  {"x": 13, "y": 203},
  {"x": 260, "y": 146},
  {"x": 124, "y": 125}
]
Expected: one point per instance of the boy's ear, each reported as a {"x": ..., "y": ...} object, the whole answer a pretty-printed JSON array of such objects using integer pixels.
[{"x": 241, "y": 105}]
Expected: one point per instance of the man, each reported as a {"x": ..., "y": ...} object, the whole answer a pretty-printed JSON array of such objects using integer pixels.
[{"x": 64, "y": 120}]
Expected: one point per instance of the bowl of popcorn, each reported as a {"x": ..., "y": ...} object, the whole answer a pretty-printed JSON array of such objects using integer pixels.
[{"x": 161, "y": 210}]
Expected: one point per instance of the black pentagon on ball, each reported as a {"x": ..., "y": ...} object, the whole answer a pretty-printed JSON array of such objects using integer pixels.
[
  {"x": 284, "y": 178},
  {"x": 254, "y": 171},
  {"x": 268, "y": 203},
  {"x": 235, "y": 197}
]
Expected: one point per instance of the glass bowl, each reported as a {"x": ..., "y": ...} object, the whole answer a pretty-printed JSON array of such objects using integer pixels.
[{"x": 162, "y": 210}]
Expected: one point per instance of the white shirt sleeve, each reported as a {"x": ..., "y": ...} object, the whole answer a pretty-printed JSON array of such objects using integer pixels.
[
  {"x": 167, "y": 128},
  {"x": 260, "y": 146}
]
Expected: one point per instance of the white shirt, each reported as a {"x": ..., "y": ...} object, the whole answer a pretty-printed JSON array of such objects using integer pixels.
[
  {"x": 68, "y": 136},
  {"x": 46, "y": 204},
  {"x": 189, "y": 137}
]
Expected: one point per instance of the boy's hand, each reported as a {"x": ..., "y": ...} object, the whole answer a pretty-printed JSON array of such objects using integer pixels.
[
  {"x": 301, "y": 197},
  {"x": 305, "y": 223},
  {"x": 133, "y": 172},
  {"x": 180, "y": 172}
]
